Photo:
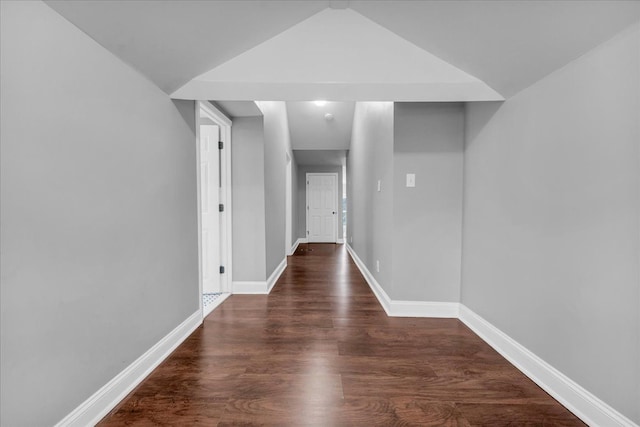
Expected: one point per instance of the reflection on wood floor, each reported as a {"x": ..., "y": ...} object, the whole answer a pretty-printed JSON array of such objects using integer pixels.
[{"x": 320, "y": 351}]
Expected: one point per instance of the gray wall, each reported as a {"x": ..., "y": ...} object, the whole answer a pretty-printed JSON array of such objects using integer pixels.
[
  {"x": 301, "y": 207},
  {"x": 276, "y": 143},
  {"x": 551, "y": 223},
  {"x": 370, "y": 213},
  {"x": 427, "y": 230},
  {"x": 98, "y": 206},
  {"x": 247, "y": 144}
]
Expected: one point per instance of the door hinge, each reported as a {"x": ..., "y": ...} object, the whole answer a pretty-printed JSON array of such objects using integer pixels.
[
  {"x": 307, "y": 231},
  {"x": 220, "y": 207},
  {"x": 222, "y": 269},
  {"x": 220, "y": 145},
  {"x": 307, "y": 182}
]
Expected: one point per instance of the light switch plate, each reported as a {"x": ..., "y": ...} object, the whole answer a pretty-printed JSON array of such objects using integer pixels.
[
  {"x": 379, "y": 185},
  {"x": 411, "y": 180}
]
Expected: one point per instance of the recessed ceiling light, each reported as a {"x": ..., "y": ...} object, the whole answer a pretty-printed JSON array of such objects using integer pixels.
[
  {"x": 328, "y": 117},
  {"x": 320, "y": 103}
]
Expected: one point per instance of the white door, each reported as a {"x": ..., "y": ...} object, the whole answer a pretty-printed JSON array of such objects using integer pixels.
[
  {"x": 322, "y": 207},
  {"x": 209, "y": 198}
]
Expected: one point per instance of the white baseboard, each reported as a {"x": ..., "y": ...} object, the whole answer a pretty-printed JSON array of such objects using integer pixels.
[
  {"x": 294, "y": 248},
  {"x": 262, "y": 287},
  {"x": 255, "y": 287},
  {"x": 424, "y": 309},
  {"x": 377, "y": 290},
  {"x": 399, "y": 308},
  {"x": 215, "y": 304},
  {"x": 581, "y": 402},
  {"x": 271, "y": 281},
  {"x": 92, "y": 410}
]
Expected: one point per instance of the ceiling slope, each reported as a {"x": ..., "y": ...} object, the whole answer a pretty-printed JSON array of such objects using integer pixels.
[
  {"x": 172, "y": 41},
  {"x": 340, "y": 55},
  {"x": 508, "y": 44}
]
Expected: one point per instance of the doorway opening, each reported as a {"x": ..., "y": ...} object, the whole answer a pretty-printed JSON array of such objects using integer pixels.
[{"x": 213, "y": 136}]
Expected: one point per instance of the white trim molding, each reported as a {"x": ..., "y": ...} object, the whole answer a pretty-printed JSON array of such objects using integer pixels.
[
  {"x": 92, "y": 410},
  {"x": 294, "y": 248},
  {"x": 261, "y": 287},
  {"x": 399, "y": 308},
  {"x": 250, "y": 287},
  {"x": 574, "y": 397},
  {"x": 377, "y": 290},
  {"x": 215, "y": 304},
  {"x": 340, "y": 241},
  {"x": 424, "y": 309},
  {"x": 271, "y": 281}
]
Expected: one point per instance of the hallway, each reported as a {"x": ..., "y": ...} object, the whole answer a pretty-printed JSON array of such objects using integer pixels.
[{"x": 319, "y": 350}]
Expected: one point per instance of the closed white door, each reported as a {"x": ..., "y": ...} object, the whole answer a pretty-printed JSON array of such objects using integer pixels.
[
  {"x": 322, "y": 207},
  {"x": 209, "y": 202}
]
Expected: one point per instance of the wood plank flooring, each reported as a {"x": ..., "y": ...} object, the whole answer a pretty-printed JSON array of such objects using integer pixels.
[{"x": 320, "y": 351}]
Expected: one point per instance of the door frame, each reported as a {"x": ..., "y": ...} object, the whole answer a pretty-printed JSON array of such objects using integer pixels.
[
  {"x": 337, "y": 194},
  {"x": 212, "y": 113},
  {"x": 288, "y": 205}
]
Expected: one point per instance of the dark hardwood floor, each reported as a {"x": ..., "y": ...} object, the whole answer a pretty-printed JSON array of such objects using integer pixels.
[{"x": 319, "y": 350}]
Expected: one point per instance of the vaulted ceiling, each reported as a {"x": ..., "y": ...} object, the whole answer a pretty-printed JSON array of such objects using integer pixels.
[
  {"x": 507, "y": 45},
  {"x": 345, "y": 50},
  {"x": 338, "y": 54}
]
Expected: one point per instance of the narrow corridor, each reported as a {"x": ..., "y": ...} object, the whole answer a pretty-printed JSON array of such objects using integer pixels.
[{"x": 319, "y": 350}]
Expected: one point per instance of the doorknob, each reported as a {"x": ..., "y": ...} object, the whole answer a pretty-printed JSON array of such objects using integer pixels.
[{"x": 334, "y": 212}]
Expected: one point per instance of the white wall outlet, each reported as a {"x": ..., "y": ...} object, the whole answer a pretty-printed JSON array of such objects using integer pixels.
[
  {"x": 411, "y": 180},
  {"x": 378, "y": 266},
  {"x": 379, "y": 185}
]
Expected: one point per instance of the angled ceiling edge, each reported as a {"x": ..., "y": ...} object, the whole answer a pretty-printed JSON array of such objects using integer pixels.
[{"x": 337, "y": 54}]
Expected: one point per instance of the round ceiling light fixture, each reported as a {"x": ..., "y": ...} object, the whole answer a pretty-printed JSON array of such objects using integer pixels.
[{"x": 328, "y": 117}]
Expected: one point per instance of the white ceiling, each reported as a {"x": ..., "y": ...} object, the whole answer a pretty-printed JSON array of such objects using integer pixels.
[
  {"x": 342, "y": 56},
  {"x": 320, "y": 157},
  {"x": 310, "y": 130},
  {"x": 239, "y": 108},
  {"x": 507, "y": 44},
  {"x": 172, "y": 41}
]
